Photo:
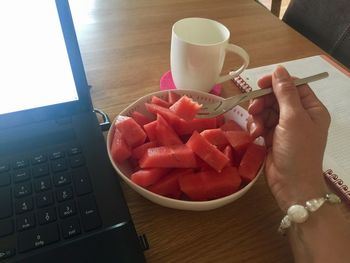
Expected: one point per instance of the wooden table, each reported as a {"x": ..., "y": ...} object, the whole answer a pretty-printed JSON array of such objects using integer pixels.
[{"x": 125, "y": 46}]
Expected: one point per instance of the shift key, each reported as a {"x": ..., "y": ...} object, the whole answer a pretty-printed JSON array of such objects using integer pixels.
[
  {"x": 5, "y": 202},
  {"x": 39, "y": 237}
]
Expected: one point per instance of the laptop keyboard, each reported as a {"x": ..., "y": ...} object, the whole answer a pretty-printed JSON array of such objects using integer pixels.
[{"x": 45, "y": 198}]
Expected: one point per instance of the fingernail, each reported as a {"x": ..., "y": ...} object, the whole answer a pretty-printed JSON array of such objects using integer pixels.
[{"x": 281, "y": 73}]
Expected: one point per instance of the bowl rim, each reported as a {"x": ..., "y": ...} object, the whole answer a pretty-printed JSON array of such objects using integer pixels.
[{"x": 145, "y": 191}]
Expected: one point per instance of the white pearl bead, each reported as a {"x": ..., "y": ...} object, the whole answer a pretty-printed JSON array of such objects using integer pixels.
[
  {"x": 297, "y": 213},
  {"x": 314, "y": 204}
]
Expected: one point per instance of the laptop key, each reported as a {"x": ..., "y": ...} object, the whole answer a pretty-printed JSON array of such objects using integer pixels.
[
  {"x": 25, "y": 222},
  {"x": 39, "y": 158},
  {"x": 56, "y": 155},
  {"x": 59, "y": 165},
  {"x": 5, "y": 179},
  {"x": 74, "y": 150},
  {"x": 24, "y": 205},
  {"x": 42, "y": 184},
  {"x": 21, "y": 175},
  {"x": 38, "y": 237},
  {"x": 19, "y": 164},
  {"x": 67, "y": 209},
  {"x": 89, "y": 214},
  {"x": 5, "y": 202},
  {"x": 23, "y": 189},
  {"x": 82, "y": 182},
  {"x": 6, "y": 253},
  {"x": 4, "y": 167},
  {"x": 6, "y": 227},
  {"x": 64, "y": 194},
  {"x": 46, "y": 215},
  {"x": 70, "y": 227},
  {"x": 44, "y": 199},
  {"x": 77, "y": 161},
  {"x": 40, "y": 170},
  {"x": 62, "y": 178}
]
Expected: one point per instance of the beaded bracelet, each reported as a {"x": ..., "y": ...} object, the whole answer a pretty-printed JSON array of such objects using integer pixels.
[{"x": 299, "y": 213}]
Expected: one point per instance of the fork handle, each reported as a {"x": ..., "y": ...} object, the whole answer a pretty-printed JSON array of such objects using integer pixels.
[{"x": 297, "y": 82}]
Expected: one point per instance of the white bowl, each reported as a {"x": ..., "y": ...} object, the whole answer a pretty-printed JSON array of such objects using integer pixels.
[{"x": 237, "y": 114}]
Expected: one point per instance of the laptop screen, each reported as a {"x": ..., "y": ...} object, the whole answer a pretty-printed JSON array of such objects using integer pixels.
[{"x": 34, "y": 67}]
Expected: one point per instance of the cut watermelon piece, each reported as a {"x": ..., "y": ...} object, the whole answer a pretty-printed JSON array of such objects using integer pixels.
[
  {"x": 120, "y": 150},
  {"x": 193, "y": 186},
  {"x": 251, "y": 162},
  {"x": 229, "y": 152},
  {"x": 208, "y": 152},
  {"x": 231, "y": 125},
  {"x": 140, "y": 118},
  {"x": 168, "y": 185},
  {"x": 131, "y": 131},
  {"x": 167, "y": 114},
  {"x": 151, "y": 130},
  {"x": 215, "y": 136},
  {"x": 146, "y": 177},
  {"x": 139, "y": 151},
  {"x": 220, "y": 120},
  {"x": 174, "y": 156},
  {"x": 160, "y": 102},
  {"x": 165, "y": 134},
  {"x": 239, "y": 140},
  {"x": 173, "y": 97},
  {"x": 183, "y": 127},
  {"x": 185, "y": 108},
  {"x": 221, "y": 184}
]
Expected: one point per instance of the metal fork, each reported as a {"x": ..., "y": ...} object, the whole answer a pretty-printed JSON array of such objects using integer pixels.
[{"x": 209, "y": 110}]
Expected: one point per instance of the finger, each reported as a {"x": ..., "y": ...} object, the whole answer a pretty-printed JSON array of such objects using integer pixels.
[
  {"x": 258, "y": 123},
  {"x": 257, "y": 105},
  {"x": 285, "y": 91}
]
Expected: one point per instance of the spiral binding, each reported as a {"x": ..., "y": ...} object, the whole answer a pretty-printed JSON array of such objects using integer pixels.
[
  {"x": 338, "y": 184},
  {"x": 242, "y": 84}
]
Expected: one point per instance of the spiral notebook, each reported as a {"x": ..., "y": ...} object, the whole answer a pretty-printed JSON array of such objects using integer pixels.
[{"x": 334, "y": 92}]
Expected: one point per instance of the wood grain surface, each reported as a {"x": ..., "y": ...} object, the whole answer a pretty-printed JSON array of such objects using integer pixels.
[{"x": 125, "y": 46}]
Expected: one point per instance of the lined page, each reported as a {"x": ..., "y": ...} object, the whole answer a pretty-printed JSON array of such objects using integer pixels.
[{"x": 334, "y": 92}]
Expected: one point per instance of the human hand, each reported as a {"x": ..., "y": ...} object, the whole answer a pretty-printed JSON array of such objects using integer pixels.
[{"x": 295, "y": 125}]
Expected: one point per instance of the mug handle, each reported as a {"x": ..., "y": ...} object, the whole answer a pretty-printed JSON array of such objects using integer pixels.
[{"x": 243, "y": 54}]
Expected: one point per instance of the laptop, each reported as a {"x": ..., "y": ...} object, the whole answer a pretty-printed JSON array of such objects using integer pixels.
[{"x": 60, "y": 199}]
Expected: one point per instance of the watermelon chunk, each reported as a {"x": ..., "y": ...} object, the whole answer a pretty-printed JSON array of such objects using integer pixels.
[
  {"x": 146, "y": 177},
  {"x": 165, "y": 134},
  {"x": 160, "y": 102},
  {"x": 251, "y": 162},
  {"x": 120, "y": 150},
  {"x": 173, "y": 156},
  {"x": 231, "y": 125},
  {"x": 185, "y": 108},
  {"x": 140, "y": 118},
  {"x": 151, "y": 130},
  {"x": 173, "y": 97},
  {"x": 221, "y": 184},
  {"x": 131, "y": 131},
  {"x": 207, "y": 152},
  {"x": 239, "y": 140},
  {"x": 215, "y": 136},
  {"x": 167, "y": 114},
  {"x": 139, "y": 151},
  {"x": 193, "y": 186},
  {"x": 168, "y": 185},
  {"x": 183, "y": 127}
]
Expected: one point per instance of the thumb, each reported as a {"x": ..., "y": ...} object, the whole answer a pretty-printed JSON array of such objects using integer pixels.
[{"x": 285, "y": 91}]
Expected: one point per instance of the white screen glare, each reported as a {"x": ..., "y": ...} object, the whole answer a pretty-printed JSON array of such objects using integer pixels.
[{"x": 34, "y": 66}]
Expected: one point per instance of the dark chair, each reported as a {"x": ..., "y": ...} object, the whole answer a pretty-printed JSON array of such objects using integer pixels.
[{"x": 324, "y": 22}]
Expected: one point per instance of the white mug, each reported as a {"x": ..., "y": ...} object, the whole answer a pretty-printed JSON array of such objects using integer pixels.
[{"x": 198, "y": 50}]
